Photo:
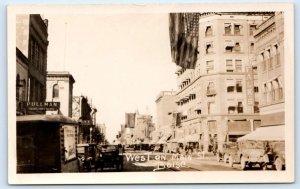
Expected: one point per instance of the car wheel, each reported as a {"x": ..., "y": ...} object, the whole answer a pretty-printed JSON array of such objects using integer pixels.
[{"x": 278, "y": 164}]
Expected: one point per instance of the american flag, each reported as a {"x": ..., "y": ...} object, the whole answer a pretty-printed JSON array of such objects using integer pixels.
[{"x": 192, "y": 24}]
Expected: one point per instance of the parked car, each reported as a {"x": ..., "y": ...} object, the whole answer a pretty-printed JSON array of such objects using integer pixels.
[
  {"x": 229, "y": 153},
  {"x": 109, "y": 156},
  {"x": 86, "y": 154},
  {"x": 263, "y": 153}
]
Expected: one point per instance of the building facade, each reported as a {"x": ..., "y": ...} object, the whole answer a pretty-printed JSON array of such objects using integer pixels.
[
  {"x": 218, "y": 99},
  {"x": 269, "y": 50},
  {"x": 32, "y": 43},
  {"x": 165, "y": 108},
  {"x": 60, "y": 89}
]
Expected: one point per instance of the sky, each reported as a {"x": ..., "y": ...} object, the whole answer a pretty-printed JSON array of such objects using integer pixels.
[{"x": 120, "y": 61}]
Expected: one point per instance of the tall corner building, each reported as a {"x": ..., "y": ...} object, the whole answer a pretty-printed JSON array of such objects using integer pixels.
[{"x": 218, "y": 99}]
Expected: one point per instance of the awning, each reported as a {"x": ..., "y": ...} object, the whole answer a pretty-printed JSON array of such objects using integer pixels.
[
  {"x": 174, "y": 140},
  {"x": 164, "y": 139},
  {"x": 266, "y": 133},
  {"x": 192, "y": 138}
]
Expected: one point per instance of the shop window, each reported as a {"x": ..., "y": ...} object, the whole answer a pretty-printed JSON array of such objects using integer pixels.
[
  {"x": 208, "y": 31},
  {"x": 55, "y": 92}
]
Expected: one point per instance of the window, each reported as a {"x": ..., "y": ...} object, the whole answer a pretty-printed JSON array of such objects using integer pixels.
[
  {"x": 209, "y": 66},
  {"x": 208, "y": 49},
  {"x": 238, "y": 65},
  {"x": 251, "y": 47},
  {"x": 228, "y": 49},
  {"x": 211, "y": 89},
  {"x": 227, "y": 27},
  {"x": 55, "y": 92},
  {"x": 231, "y": 109},
  {"x": 18, "y": 88},
  {"x": 255, "y": 89},
  {"x": 237, "y": 29},
  {"x": 237, "y": 47},
  {"x": 239, "y": 87},
  {"x": 254, "y": 69},
  {"x": 240, "y": 107},
  {"x": 252, "y": 28},
  {"x": 230, "y": 85},
  {"x": 210, "y": 107},
  {"x": 208, "y": 31},
  {"x": 256, "y": 108},
  {"x": 229, "y": 66},
  {"x": 264, "y": 63}
]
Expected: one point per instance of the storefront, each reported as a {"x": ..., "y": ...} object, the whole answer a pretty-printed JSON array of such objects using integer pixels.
[{"x": 46, "y": 143}]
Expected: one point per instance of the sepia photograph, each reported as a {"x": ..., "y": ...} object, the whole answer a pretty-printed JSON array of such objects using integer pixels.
[{"x": 167, "y": 94}]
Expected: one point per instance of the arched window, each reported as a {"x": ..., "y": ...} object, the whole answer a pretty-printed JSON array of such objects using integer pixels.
[{"x": 55, "y": 92}]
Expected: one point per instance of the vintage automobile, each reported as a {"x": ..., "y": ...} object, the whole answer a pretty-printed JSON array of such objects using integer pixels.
[
  {"x": 229, "y": 153},
  {"x": 264, "y": 147},
  {"x": 86, "y": 154},
  {"x": 109, "y": 156}
]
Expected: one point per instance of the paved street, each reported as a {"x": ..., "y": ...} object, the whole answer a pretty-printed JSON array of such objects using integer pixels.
[{"x": 143, "y": 161}]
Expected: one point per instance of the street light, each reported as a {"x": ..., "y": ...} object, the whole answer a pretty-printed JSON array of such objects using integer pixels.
[{"x": 91, "y": 134}]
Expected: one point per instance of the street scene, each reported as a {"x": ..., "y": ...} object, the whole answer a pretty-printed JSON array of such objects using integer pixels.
[{"x": 114, "y": 93}]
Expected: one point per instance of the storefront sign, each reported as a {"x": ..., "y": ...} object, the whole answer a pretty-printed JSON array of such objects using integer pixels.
[
  {"x": 69, "y": 142},
  {"x": 42, "y": 106},
  {"x": 249, "y": 86}
]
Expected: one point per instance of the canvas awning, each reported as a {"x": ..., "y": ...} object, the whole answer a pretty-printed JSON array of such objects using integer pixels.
[
  {"x": 192, "y": 138},
  {"x": 266, "y": 133},
  {"x": 164, "y": 139}
]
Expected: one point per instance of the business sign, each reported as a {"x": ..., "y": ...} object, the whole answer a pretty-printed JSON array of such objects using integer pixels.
[
  {"x": 69, "y": 142},
  {"x": 42, "y": 106},
  {"x": 249, "y": 86}
]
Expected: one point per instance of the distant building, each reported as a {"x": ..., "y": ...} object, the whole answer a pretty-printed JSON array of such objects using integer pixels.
[
  {"x": 269, "y": 51},
  {"x": 32, "y": 43},
  {"x": 84, "y": 113},
  {"x": 60, "y": 89},
  {"x": 166, "y": 108},
  {"x": 143, "y": 127}
]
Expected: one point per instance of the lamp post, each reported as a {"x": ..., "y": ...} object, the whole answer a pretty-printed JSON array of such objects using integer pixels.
[{"x": 91, "y": 134}]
